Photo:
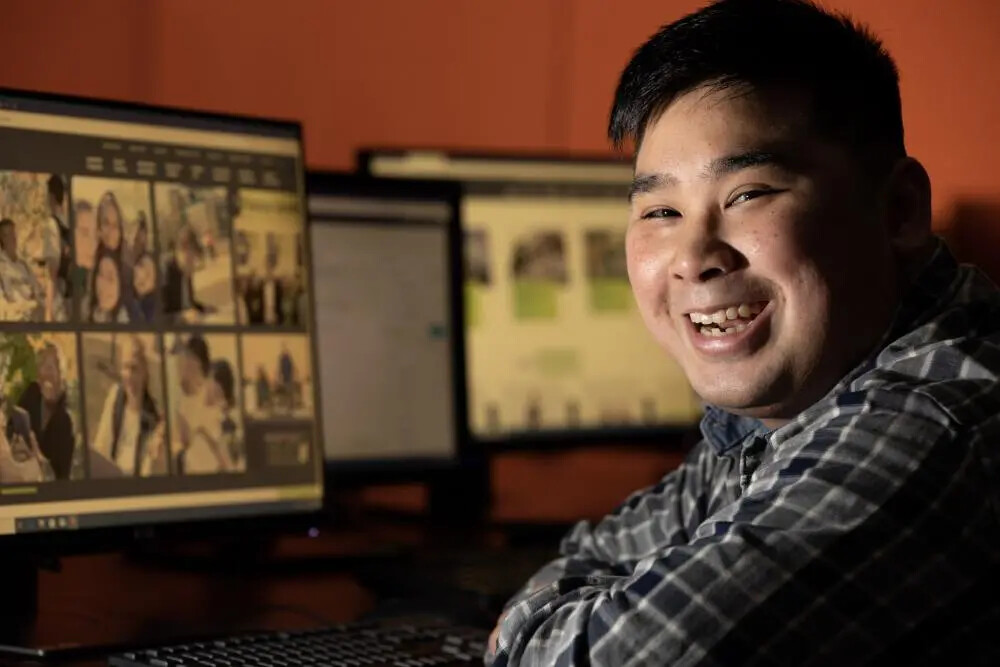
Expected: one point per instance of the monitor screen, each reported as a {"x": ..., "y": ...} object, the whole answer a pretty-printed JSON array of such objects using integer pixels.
[
  {"x": 555, "y": 344},
  {"x": 155, "y": 335},
  {"x": 384, "y": 283}
]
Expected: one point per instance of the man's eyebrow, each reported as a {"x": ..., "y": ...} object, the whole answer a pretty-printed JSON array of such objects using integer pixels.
[
  {"x": 729, "y": 164},
  {"x": 644, "y": 183}
]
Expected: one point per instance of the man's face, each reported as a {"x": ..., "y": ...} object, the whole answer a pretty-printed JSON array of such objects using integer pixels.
[{"x": 741, "y": 209}]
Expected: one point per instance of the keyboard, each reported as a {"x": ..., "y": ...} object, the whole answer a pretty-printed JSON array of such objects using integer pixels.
[{"x": 353, "y": 645}]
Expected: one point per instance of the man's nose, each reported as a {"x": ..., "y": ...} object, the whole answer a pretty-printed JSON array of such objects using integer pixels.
[{"x": 701, "y": 254}]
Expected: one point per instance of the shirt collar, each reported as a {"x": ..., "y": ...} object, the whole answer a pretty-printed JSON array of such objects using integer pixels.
[{"x": 723, "y": 430}]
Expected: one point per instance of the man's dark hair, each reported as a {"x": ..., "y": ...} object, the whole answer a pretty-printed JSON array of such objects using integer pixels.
[
  {"x": 849, "y": 78},
  {"x": 57, "y": 188},
  {"x": 197, "y": 347}
]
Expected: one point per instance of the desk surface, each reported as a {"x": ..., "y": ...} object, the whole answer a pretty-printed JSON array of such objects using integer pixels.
[{"x": 100, "y": 598}]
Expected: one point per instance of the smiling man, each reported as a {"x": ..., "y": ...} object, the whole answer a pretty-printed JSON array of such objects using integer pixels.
[{"x": 842, "y": 508}]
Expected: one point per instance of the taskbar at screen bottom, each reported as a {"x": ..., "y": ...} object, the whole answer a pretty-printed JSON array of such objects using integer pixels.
[{"x": 122, "y": 512}]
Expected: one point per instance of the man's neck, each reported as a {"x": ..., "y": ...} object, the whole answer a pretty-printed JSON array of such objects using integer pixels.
[{"x": 913, "y": 262}]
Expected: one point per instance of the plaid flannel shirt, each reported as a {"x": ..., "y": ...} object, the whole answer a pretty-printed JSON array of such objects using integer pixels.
[{"x": 866, "y": 530}]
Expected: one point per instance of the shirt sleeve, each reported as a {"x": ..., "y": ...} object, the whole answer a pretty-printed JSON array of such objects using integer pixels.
[
  {"x": 653, "y": 518},
  {"x": 806, "y": 563},
  {"x": 647, "y": 522}
]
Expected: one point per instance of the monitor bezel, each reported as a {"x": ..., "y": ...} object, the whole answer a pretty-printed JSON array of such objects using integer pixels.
[
  {"x": 658, "y": 435},
  {"x": 247, "y": 120},
  {"x": 364, "y": 156},
  {"x": 365, "y": 472},
  {"x": 49, "y": 544}
]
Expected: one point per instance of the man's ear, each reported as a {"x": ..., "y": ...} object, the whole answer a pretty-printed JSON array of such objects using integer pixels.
[{"x": 908, "y": 207}]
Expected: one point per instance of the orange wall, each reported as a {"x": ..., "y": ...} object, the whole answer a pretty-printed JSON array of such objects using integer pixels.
[
  {"x": 516, "y": 74},
  {"x": 533, "y": 74},
  {"x": 947, "y": 53}
]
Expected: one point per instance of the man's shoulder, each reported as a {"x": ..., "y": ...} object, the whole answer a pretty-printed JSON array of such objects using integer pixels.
[
  {"x": 939, "y": 377},
  {"x": 952, "y": 359},
  {"x": 959, "y": 400}
]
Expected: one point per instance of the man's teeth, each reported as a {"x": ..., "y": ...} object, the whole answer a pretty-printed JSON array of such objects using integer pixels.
[
  {"x": 713, "y": 331},
  {"x": 744, "y": 310}
]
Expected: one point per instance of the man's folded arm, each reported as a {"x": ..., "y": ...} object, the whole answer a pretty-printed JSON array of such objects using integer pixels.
[
  {"x": 646, "y": 522},
  {"x": 808, "y": 558}
]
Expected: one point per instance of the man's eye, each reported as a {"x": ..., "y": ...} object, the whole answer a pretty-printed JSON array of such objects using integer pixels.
[
  {"x": 747, "y": 195},
  {"x": 660, "y": 213}
]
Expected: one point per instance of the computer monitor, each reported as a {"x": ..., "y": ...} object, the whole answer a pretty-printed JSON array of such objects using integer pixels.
[
  {"x": 556, "y": 350},
  {"x": 156, "y": 342},
  {"x": 386, "y": 262}
]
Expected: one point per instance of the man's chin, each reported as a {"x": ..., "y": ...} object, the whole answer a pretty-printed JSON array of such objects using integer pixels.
[{"x": 743, "y": 398}]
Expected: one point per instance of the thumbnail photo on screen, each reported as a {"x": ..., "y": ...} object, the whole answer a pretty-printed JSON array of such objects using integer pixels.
[
  {"x": 195, "y": 226},
  {"x": 476, "y": 257},
  {"x": 539, "y": 267},
  {"x": 270, "y": 272},
  {"x": 607, "y": 272},
  {"x": 203, "y": 391},
  {"x": 35, "y": 250},
  {"x": 40, "y": 440},
  {"x": 115, "y": 239},
  {"x": 278, "y": 397},
  {"x": 126, "y": 419},
  {"x": 477, "y": 273},
  {"x": 277, "y": 382}
]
